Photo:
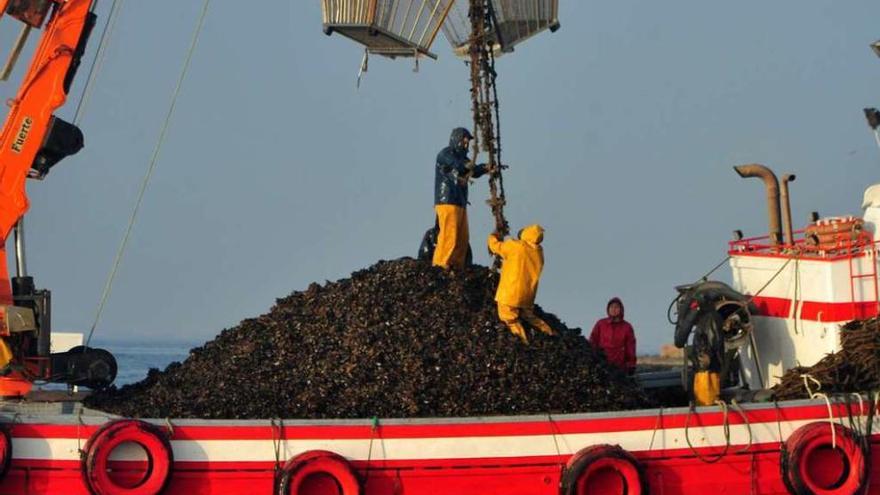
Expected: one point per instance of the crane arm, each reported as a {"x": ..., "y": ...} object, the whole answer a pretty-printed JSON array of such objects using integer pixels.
[{"x": 33, "y": 139}]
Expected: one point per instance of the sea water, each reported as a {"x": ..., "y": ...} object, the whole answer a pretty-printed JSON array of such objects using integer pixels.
[{"x": 134, "y": 359}]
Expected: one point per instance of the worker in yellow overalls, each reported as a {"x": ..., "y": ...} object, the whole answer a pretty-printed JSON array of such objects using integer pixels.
[
  {"x": 452, "y": 174},
  {"x": 520, "y": 273}
]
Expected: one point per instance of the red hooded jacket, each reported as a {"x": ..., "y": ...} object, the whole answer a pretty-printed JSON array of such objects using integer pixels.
[{"x": 616, "y": 338}]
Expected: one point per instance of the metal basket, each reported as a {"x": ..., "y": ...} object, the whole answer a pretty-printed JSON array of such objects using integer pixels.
[
  {"x": 393, "y": 28},
  {"x": 516, "y": 20}
]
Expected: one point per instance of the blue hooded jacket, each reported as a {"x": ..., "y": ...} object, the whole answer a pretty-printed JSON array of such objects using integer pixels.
[{"x": 451, "y": 173}]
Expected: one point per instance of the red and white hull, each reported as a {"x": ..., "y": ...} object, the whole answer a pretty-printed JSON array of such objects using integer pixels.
[{"x": 472, "y": 456}]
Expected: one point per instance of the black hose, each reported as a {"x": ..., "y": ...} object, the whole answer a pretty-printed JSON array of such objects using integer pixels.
[{"x": 669, "y": 311}]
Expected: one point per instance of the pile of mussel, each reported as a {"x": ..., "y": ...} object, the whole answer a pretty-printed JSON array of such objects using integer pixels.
[{"x": 398, "y": 339}]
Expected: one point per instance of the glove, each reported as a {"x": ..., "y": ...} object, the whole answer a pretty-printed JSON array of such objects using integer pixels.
[{"x": 495, "y": 169}]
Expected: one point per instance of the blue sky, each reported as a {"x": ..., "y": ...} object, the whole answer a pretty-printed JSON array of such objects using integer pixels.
[{"x": 621, "y": 131}]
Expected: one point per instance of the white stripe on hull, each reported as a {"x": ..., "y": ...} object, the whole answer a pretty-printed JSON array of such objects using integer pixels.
[{"x": 67, "y": 449}]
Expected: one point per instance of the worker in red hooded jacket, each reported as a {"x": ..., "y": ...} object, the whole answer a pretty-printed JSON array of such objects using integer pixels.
[{"x": 615, "y": 336}]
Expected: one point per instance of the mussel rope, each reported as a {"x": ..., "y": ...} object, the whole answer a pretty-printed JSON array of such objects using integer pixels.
[
  {"x": 496, "y": 175},
  {"x": 484, "y": 100},
  {"x": 153, "y": 160}
]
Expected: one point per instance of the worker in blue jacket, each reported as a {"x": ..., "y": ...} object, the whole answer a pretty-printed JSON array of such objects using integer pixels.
[{"x": 451, "y": 176}]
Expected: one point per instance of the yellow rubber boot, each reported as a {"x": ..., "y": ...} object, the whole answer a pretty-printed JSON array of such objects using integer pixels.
[
  {"x": 529, "y": 316},
  {"x": 518, "y": 330}
]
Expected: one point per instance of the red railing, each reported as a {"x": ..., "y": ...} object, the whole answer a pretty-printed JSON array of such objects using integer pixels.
[{"x": 846, "y": 246}]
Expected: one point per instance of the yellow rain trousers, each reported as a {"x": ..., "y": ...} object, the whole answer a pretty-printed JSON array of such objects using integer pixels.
[
  {"x": 452, "y": 240},
  {"x": 707, "y": 387},
  {"x": 511, "y": 317},
  {"x": 520, "y": 273}
]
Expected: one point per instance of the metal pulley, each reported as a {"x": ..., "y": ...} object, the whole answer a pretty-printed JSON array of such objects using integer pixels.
[
  {"x": 514, "y": 21},
  {"x": 391, "y": 28},
  {"x": 732, "y": 309},
  {"x": 737, "y": 324}
]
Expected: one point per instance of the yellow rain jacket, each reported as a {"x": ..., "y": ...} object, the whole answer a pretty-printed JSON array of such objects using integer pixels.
[{"x": 523, "y": 262}]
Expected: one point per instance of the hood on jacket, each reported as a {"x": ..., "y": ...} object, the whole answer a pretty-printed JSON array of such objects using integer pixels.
[
  {"x": 533, "y": 234},
  {"x": 457, "y": 135},
  {"x": 612, "y": 301}
]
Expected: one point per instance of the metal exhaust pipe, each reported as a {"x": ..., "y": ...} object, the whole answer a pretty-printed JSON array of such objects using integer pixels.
[
  {"x": 786, "y": 209},
  {"x": 771, "y": 184}
]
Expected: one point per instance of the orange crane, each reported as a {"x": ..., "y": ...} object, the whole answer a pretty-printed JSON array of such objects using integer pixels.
[{"x": 33, "y": 140}]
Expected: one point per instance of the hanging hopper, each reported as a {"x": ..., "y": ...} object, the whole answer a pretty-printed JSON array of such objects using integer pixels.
[
  {"x": 515, "y": 20},
  {"x": 393, "y": 28}
]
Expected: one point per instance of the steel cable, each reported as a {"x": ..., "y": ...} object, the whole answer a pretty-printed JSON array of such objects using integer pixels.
[
  {"x": 704, "y": 278},
  {"x": 152, "y": 167},
  {"x": 98, "y": 61}
]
